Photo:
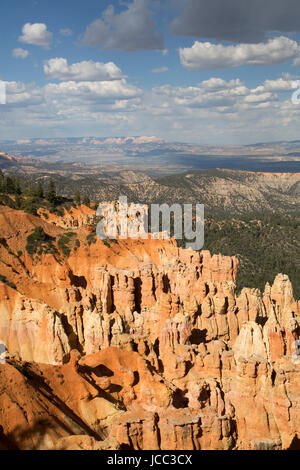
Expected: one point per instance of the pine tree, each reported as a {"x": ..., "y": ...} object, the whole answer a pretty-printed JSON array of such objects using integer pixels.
[
  {"x": 9, "y": 185},
  {"x": 39, "y": 191},
  {"x": 77, "y": 197},
  {"x": 27, "y": 189},
  {"x": 17, "y": 184},
  {"x": 86, "y": 201},
  {"x": 18, "y": 201},
  {"x": 2, "y": 181},
  {"x": 51, "y": 193}
]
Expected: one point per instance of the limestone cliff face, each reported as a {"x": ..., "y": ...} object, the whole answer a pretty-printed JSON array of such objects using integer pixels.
[{"x": 169, "y": 356}]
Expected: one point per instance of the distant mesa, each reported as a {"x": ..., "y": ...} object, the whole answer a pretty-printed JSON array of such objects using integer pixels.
[
  {"x": 133, "y": 140},
  {"x": 6, "y": 159}
]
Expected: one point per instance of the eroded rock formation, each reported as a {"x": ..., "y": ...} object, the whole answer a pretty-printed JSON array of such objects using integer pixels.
[{"x": 141, "y": 345}]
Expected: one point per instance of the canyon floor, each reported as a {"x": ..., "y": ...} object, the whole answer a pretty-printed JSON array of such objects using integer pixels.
[{"x": 139, "y": 344}]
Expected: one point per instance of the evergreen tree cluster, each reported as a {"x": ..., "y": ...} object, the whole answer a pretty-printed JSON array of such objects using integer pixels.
[
  {"x": 26, "y": 195},
  {"x": 39, "y": 242},
  {"x": 22, "y": 194}
]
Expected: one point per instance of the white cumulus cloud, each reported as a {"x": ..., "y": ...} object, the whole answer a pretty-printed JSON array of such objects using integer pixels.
[
  {"x": 214, "y": 110},
  {"x": 36, "y": 34},
  {"x": 262, "y": 97},
  {"x": 205, "y": 55},
  {"x": 215, "y": 83},
  {"x": 84, "y": 71},
  {"x": 21, "y": 95},
  {"x": 66, "y": 32},
  {"x": 20, "y": 53},
  {"x": 160, "y": 70},
  {"x": 279, "y": 85},
  {"x": 117, "y": 89}
]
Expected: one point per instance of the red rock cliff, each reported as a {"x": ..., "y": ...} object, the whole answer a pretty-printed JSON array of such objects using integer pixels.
[{"x": 141, "y": 345}]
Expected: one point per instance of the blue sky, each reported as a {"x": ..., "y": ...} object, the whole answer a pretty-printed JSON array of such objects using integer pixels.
[{"x": 203, "y": 71}]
